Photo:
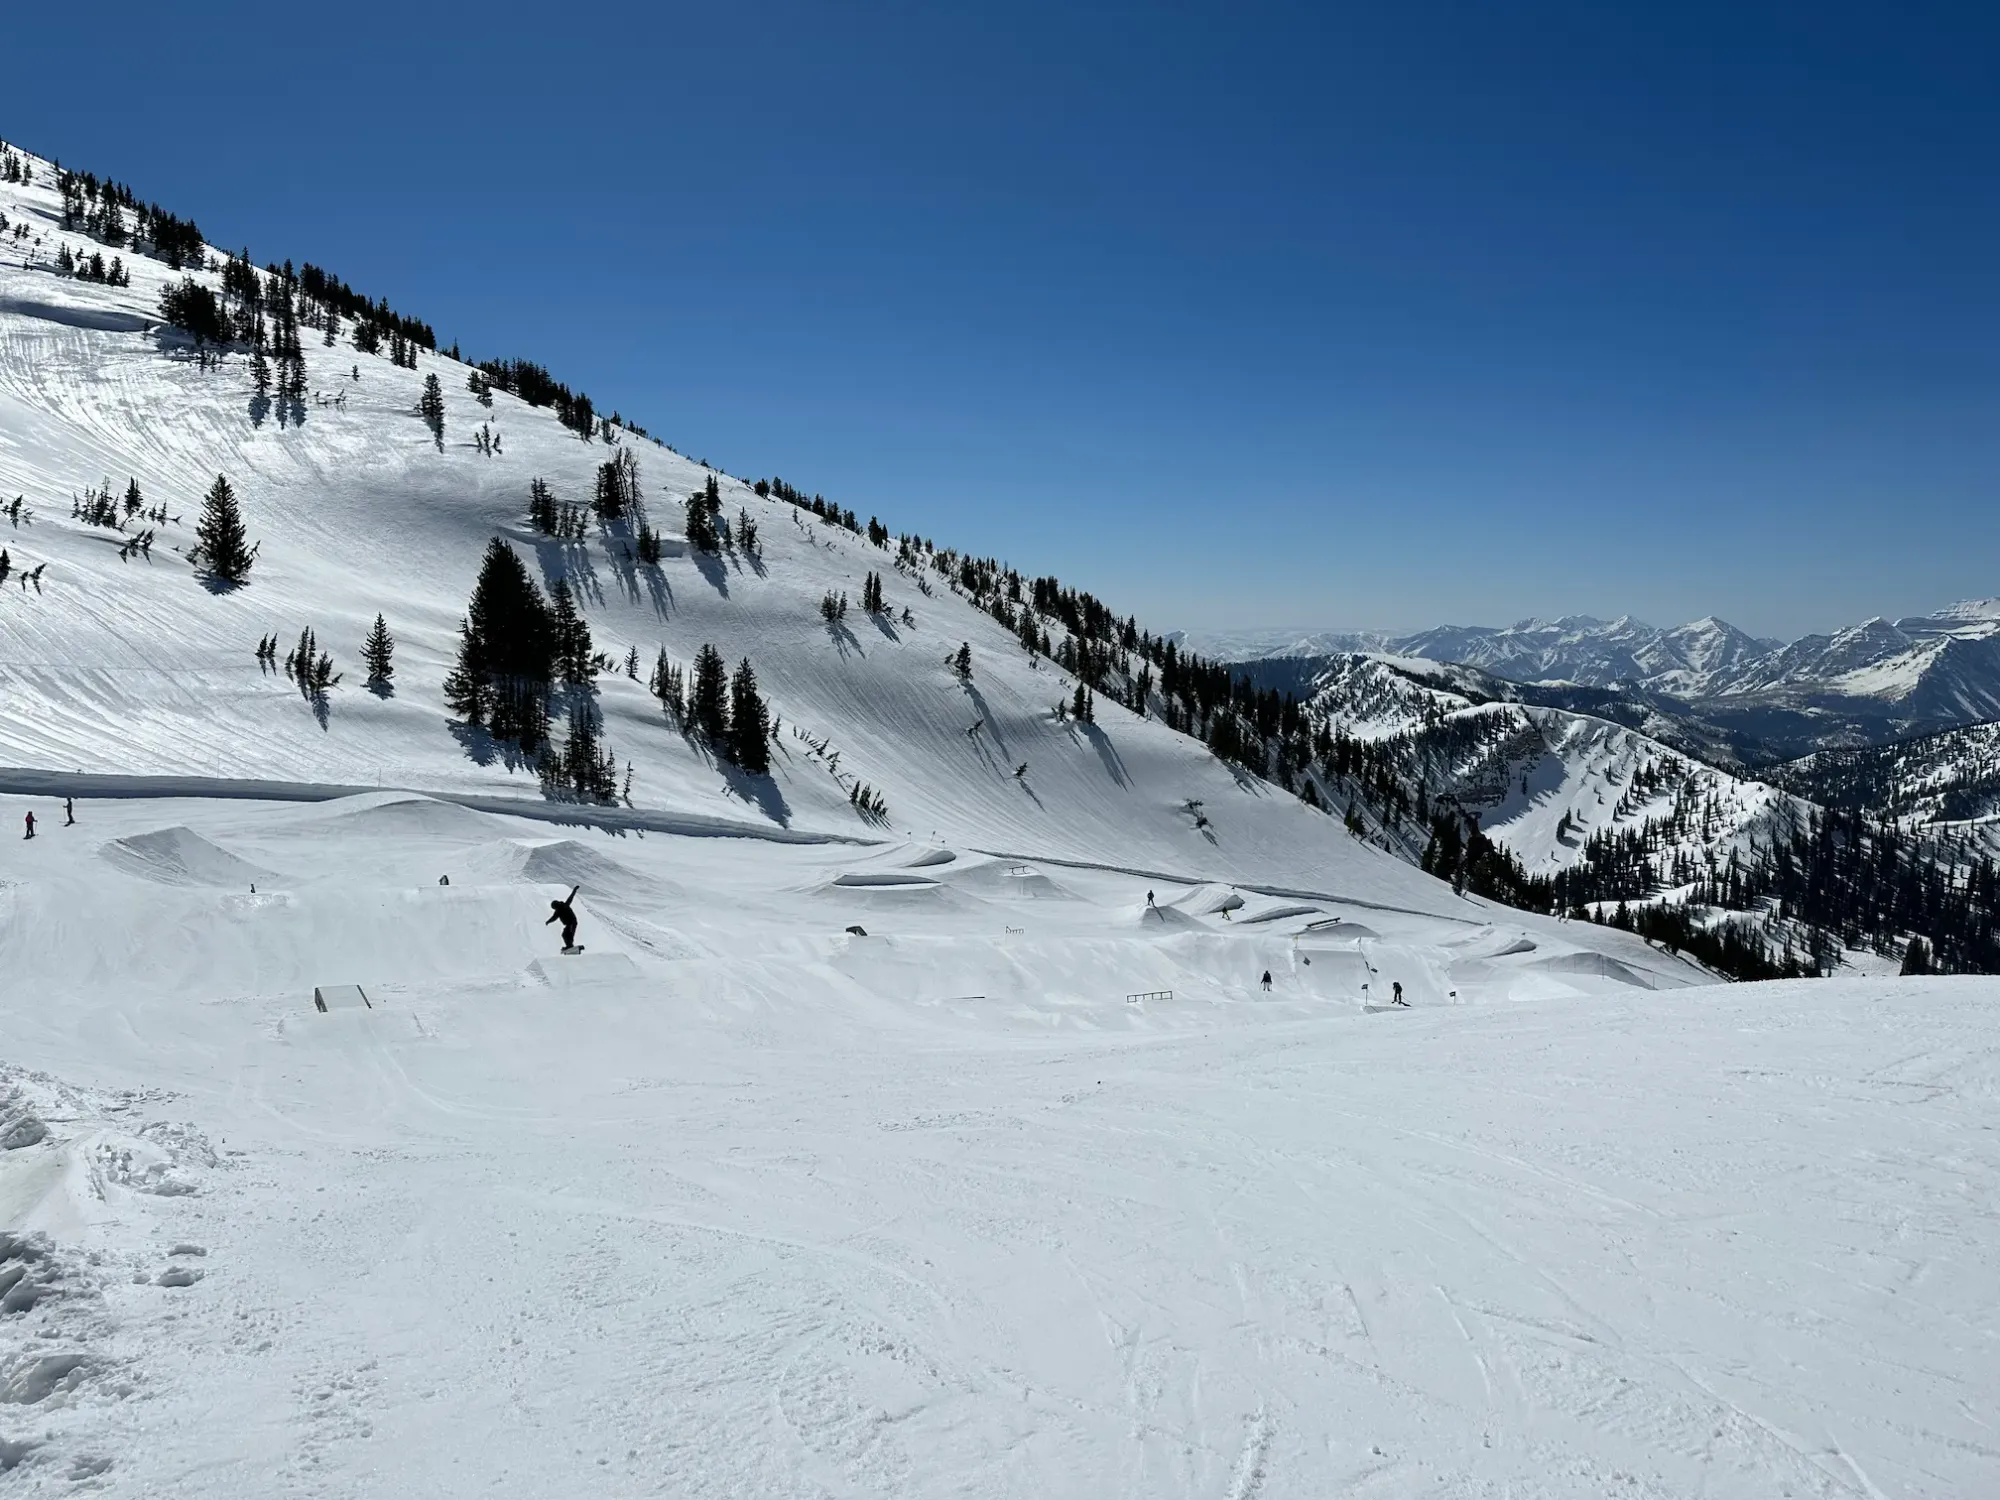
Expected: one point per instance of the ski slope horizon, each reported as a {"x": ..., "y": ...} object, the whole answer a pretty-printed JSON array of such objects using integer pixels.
[{"x": 1054, "y": 1134}]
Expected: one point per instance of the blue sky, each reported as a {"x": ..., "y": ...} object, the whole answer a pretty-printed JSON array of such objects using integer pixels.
[{"x": 1235, "y": 315}]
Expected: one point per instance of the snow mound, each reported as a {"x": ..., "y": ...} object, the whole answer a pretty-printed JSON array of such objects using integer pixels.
[
  {"x": 1209, "y": 900},
  {"x": 180, "y": 856},
  {"x": 894, "y": 890},
  {"x": 1167, "y": 918},
  {"x": 566, "y": 862},
  {"x": 1283, "y": 910},
  {"x": 1011, "y": 881},
  {"x": 406, "y": 814},
  {"x": 1592, "y": 965},
  {"x": 930, "y": 858}
]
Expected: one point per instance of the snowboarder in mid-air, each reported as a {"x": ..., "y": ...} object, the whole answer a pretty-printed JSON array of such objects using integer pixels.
[{"x": 561, "y": 911}]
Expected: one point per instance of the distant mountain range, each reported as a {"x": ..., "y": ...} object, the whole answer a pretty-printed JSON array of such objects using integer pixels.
[{"x": 1750, "y": 700}]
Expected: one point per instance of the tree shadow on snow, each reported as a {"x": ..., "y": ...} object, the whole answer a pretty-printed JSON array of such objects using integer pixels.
[
  {"x": 887, "y": 626},
  {"x": 1108, "y": 753},
  {"x": 712, "y": 568},
  {"x": 562, "y": 559},
  {"x": 992, "y": 729},
  {"x": 483, "y": 749},
  {"x": 260, "y": 408},
  {"x": 844, "y": 639},
  {"x": 216, "y": 584},
  {"x": 761, "y": 791},
  {"x": 383, "y": 690}
]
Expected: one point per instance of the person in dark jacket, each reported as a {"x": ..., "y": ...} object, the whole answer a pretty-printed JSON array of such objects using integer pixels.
[{"x": 561, "y": 911}]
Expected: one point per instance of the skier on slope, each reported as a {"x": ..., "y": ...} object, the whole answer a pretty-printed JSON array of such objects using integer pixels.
[
  {"x": 561, "y": 911},
  {"x": 1267, "y": 980},
  {"x": 31, "y": 823},
  {"x": 1396, "y": 992}
]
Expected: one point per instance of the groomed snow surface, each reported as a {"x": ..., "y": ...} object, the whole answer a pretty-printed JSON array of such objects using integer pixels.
[{"x": 739, "y": 1203}]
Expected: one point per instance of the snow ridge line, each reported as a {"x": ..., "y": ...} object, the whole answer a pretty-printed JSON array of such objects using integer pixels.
[{"x": 24, "y": 781}]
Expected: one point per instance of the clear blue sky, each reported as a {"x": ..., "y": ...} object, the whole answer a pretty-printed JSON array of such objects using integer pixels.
[{"x": 1237, "y": 315}]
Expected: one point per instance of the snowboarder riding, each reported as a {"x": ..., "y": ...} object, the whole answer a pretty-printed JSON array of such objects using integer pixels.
[
  {"x": 1396, "y": 990},
  {"x": 560, "y": 911}
]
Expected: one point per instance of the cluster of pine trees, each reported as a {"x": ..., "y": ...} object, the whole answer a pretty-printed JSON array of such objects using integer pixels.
[
  {"x": 519, "y": 650},
  {"x": 819, "y": 505},
  {"x": 92, "y": 267},
  {"x": 728, "y": 712},
  {"x": 534, "y": 385},
  {"x": 617, "y": 496},
  {"x": 704, "y": 511},
  {"x": 112, "y": 215},
  {"x": 551, "y": 518}
]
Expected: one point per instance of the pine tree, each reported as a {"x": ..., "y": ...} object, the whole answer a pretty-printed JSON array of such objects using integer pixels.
[
  {"x": 708, "y": 704},
  {"x": 962, "y": 661},
  {"x": 134, "y": 501},
  {"x": 507, "y": 652},
  {"x": 542, "y": 507},
  {"x": 701, "y": 532},
  {"x": 431, "y": 408},
  {"x": 1917, "y": 957},
  {"x": 224, "y": 547},
  {"x": 572, "y": 638},
  {"x": 378, "y": 652},
  {"x": 749, "y": 723}
]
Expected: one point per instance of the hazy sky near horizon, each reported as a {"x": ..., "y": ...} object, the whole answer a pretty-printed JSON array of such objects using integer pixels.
[{"x": 1238, "y": 316}]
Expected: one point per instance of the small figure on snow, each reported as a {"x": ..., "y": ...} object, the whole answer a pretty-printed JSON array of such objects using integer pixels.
[
  {"x": 1267, "y": 981},
  {"x": 561, "y": 911},
  {"x": 1396, "y": 993},
  {"x": 446, "y": 880},
  {"x": 31, "y": 824},
  {"x": 69, "y": 812}
]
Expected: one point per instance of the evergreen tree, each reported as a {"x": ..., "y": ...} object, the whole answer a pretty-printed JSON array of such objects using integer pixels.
[
  {"x": 542, "y": 507},
  {"x": 749, "y": 723},
  {"x": 224, "y": 547},
  {"x": 378, "y": 652},
  {"x": 708, "y": 704},
  {"x": 1917, "y": 957},
  {"x": 701, "y": 532},
  {"x": 507, "y": 652},
  {"x": 134, "y": 501},
  {"x": 572, "y": 638},
  {"x": 431, "y": 408},
  {"x": 962, "y": 661}
]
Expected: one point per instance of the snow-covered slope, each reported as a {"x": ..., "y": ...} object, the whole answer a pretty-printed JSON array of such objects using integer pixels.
[
  {"x": 121, "y": 663},
  {"x": 1031, "y": 1191},
  {"x": 963, "y": 1151}
]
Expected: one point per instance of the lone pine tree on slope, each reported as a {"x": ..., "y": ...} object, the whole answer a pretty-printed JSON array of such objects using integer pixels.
[
  {"x": 378, "y": 652},
  {"x": 749, "y": 723},
  {"x": 431, "y": 408},
  {"x": 223, "y": 544}
]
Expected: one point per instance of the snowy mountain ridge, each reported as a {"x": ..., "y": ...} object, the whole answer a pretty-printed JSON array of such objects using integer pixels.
[
  {"x": 1918, "y": 671},
  {"x": 1006, "y": 1095}
]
